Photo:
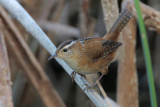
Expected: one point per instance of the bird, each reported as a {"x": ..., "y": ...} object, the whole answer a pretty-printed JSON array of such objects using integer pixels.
[{"x": 93, "y": 54}]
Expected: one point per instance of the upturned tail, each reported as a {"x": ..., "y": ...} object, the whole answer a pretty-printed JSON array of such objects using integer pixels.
[{"x": 118, "y": 25}]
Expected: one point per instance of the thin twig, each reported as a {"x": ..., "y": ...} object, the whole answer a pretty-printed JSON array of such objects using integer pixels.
[{"x": 23, "y": 17}]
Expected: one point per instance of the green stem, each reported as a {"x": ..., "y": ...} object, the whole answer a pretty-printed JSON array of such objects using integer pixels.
[{"x": 146, "y": 51}]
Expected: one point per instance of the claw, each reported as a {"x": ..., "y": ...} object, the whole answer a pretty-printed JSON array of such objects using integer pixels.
[
  {"x": 82, "y": 75},
  {"x": 73, "y": 75},
  {"x": 92, "y": 87}
]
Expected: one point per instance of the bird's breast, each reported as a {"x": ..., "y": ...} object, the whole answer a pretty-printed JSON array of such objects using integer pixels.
[{"x": 82, "y": 66}]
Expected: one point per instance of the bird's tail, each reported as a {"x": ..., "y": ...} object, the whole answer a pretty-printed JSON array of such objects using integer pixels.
[{"x": 119, "y": 24}]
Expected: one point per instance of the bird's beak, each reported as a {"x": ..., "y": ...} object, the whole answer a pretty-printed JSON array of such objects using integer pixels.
[{"x": 51, "y": 57}]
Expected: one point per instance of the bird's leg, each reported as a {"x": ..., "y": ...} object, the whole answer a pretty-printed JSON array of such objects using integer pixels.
[
  {"x": 94, "y": 85},
  {"x": 104, "y": 72},
  {"x": 73, "y": 75}
]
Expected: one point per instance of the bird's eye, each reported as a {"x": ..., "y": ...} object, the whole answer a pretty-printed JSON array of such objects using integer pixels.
[{"x": 65, "y": 50}]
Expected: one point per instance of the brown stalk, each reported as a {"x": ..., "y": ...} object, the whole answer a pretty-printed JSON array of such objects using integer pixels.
[
  {"x": 29, "y": 64},
  {"x": 127, "y": 87},
  {"x": 5, "y": 75},
  {"x": 150, "y": 15},
  {"x": 127, "y": 67},
  {"x": 110, "y": 12}
]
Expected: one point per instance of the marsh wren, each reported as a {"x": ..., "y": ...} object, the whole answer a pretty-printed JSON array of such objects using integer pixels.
[{"x": 94, "y": 54}]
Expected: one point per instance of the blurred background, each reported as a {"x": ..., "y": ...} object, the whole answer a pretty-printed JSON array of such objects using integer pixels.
[{"x": 65, "y": 20}]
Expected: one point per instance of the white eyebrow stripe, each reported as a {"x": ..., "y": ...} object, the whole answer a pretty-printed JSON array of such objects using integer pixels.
[{"x": 69, "y": 45}]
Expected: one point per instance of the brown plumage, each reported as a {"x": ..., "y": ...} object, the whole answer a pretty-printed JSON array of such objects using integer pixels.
[{"x": 91, "y": 55}]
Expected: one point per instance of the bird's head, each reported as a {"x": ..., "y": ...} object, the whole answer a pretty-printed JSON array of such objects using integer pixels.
[{"x": 64, "y": 50}]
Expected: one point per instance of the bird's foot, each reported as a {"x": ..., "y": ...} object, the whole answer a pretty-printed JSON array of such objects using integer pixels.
[
  {"x": 91, "y": 87},
  {"x": 73, "y": 75},
  {"x": 82, "y": 75}
]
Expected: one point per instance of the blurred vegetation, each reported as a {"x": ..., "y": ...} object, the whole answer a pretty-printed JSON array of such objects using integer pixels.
[{"x": 63, "y": 20}]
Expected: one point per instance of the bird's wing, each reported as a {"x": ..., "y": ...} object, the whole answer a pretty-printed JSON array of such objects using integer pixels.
[{"x": 97, "y": 48}]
